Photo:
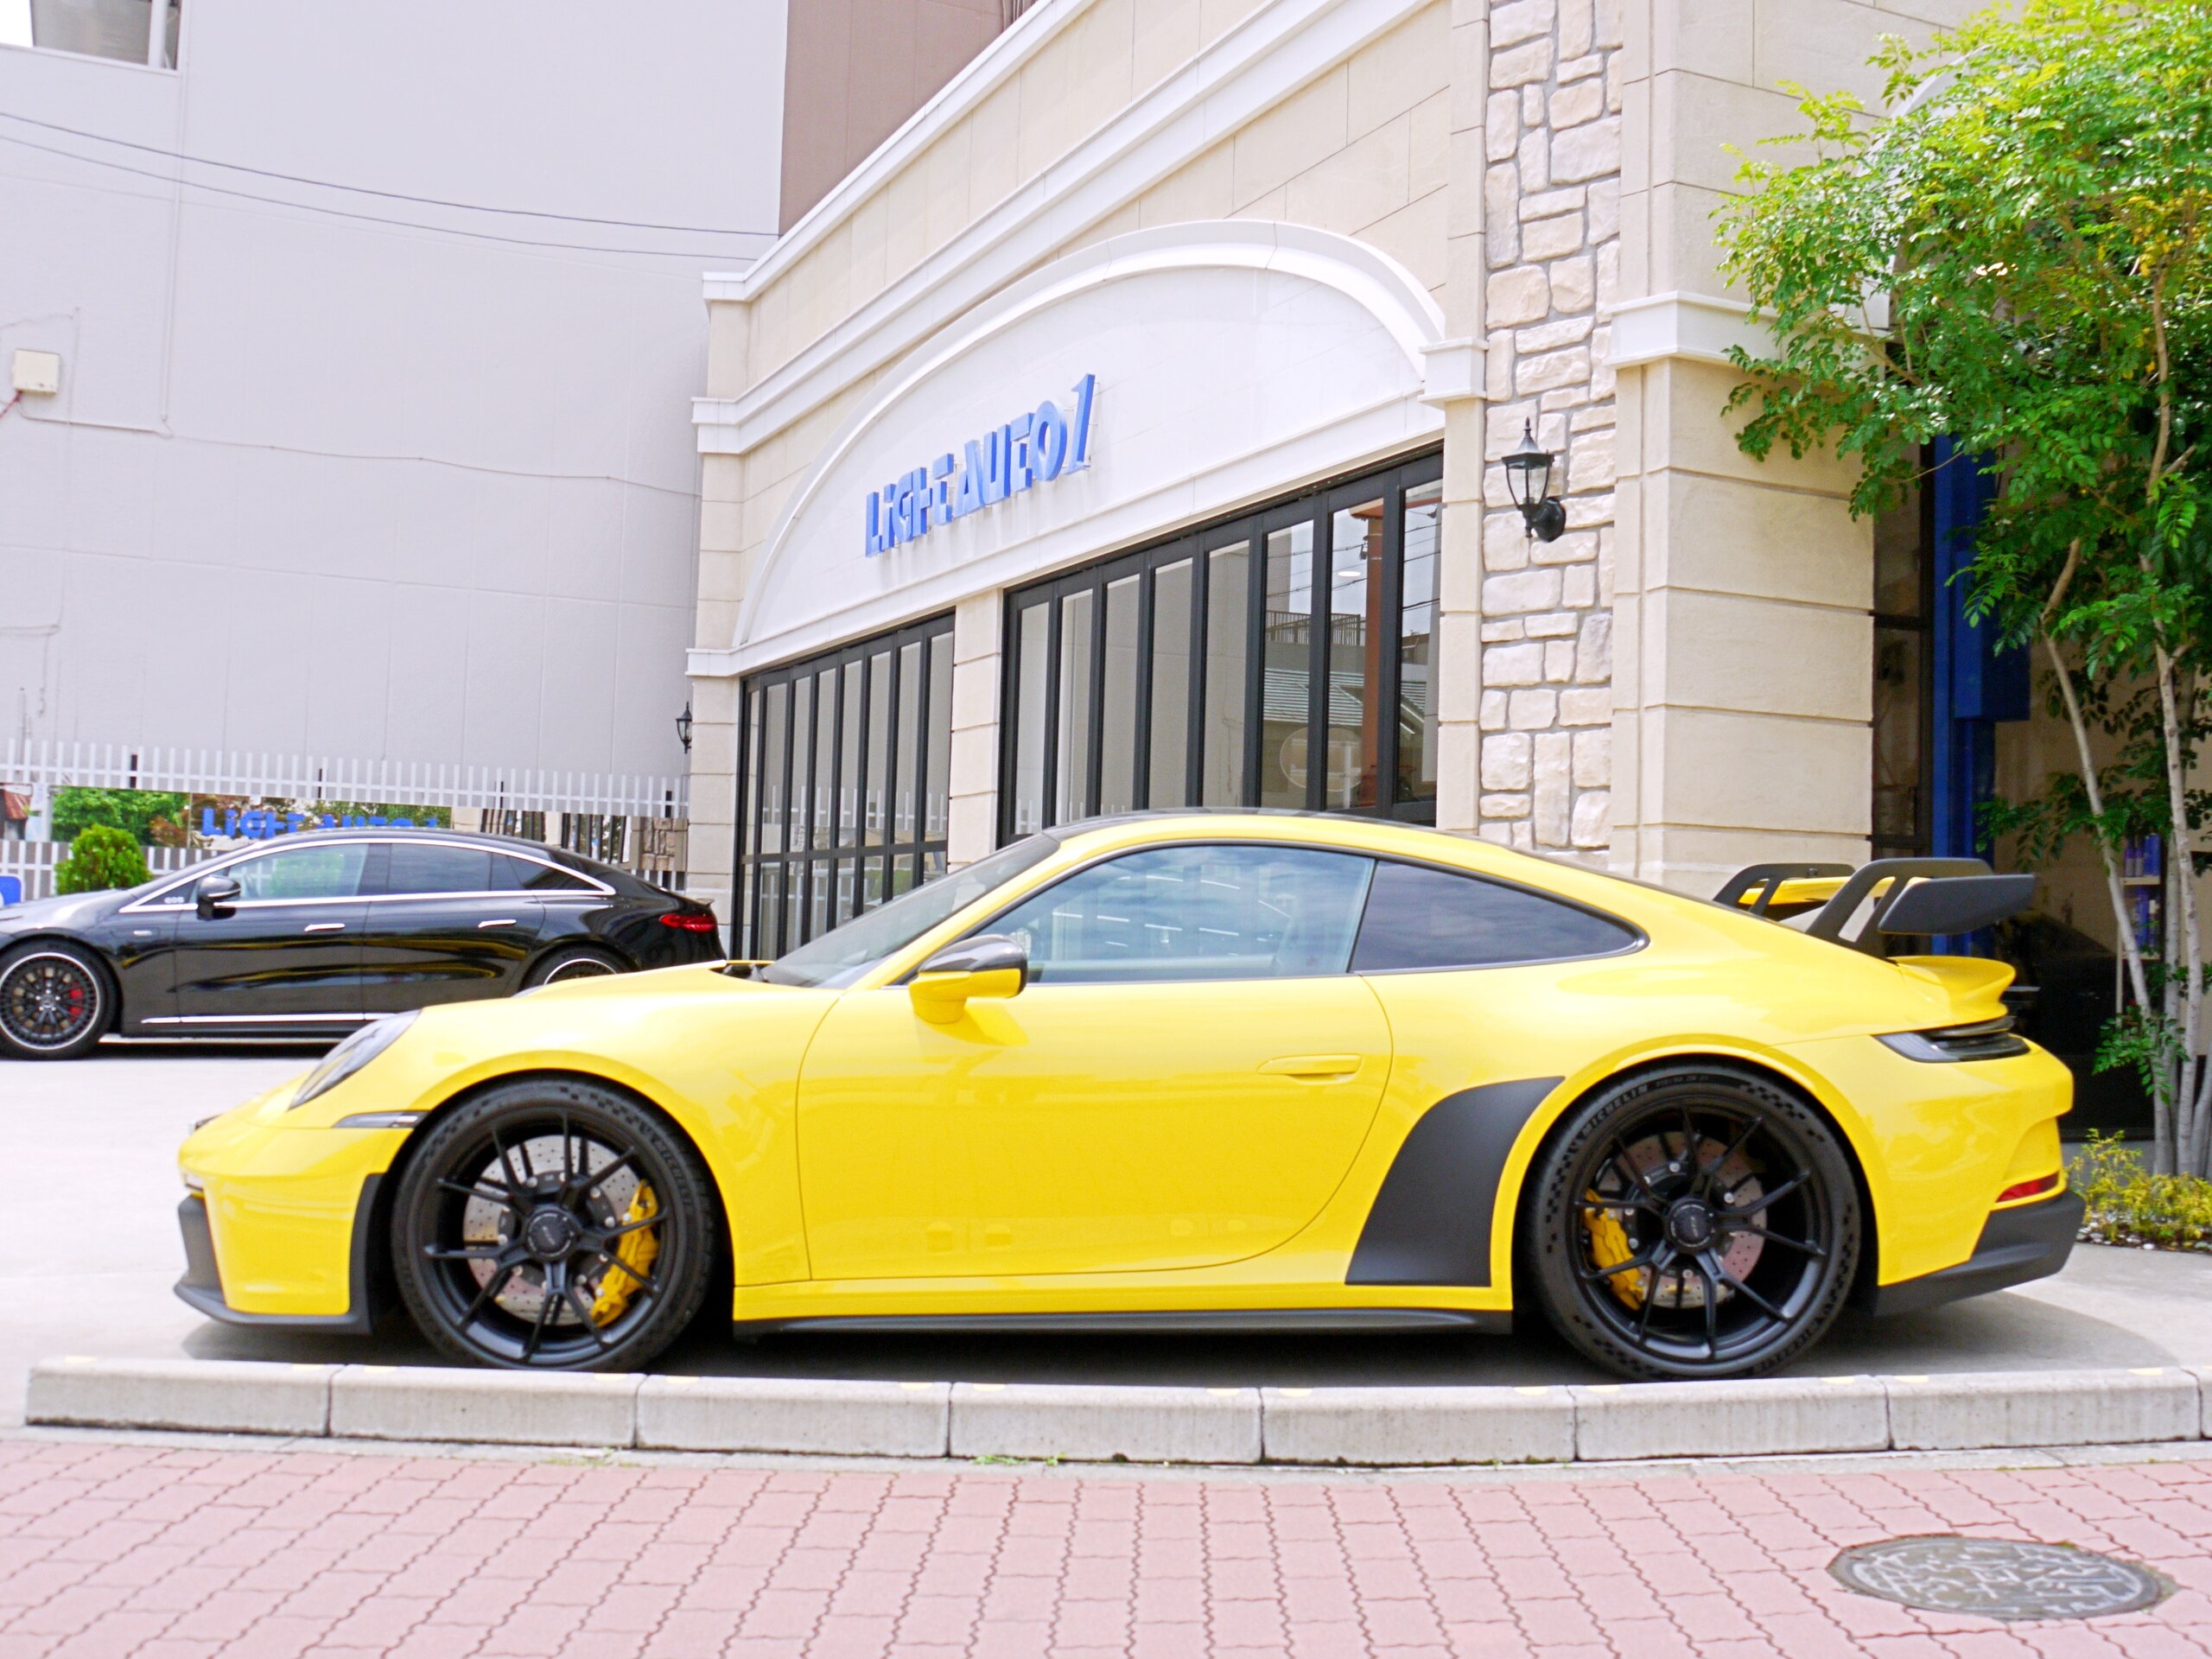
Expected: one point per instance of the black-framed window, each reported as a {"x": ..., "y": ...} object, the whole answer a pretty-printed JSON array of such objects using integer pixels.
[
  {"x": 844, "y": 767},
  {"x": 1282, "y": 658},
  {"x": 1904, "y": 667}
]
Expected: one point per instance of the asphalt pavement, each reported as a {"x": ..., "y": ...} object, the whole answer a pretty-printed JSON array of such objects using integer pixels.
[{"x": 94, "y": 1251}]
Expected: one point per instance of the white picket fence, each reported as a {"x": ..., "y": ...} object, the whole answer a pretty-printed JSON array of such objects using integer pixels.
[
  {"x": 31, "y": 864},
  {"x": 303, "y": 778}
]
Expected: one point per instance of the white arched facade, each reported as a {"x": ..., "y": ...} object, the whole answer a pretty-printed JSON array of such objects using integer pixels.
[{"x": 1231, "y": 361}]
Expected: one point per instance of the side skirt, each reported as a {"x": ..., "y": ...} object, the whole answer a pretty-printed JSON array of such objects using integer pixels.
[{"x": 1173, "y": 1321}]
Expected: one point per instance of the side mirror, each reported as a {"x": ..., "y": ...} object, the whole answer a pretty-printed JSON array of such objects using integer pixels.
[
  {"x": 214, "y": 895},
  {"x": 989, "y": 965}
]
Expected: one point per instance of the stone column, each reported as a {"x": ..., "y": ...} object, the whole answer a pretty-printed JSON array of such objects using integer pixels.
[
  {"x": 972, "y": 831},
  {"x": 719, "y": 593},
  {"x": 1455, "y": 386}
]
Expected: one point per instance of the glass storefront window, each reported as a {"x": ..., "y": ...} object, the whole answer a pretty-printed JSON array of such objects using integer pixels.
[
  {"x": 845, "y": 775},
  {"x": 1228, "y": 635},
  {"x": 1178, "y": 672},
  {"x": 1423, "y": 537},
  {"x": 1902, "y": 648}
]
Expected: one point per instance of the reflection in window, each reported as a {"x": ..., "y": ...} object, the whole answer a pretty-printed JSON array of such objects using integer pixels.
[
  {"x": 1424, "y": 524},
  {"x": 1418, "y": 918},
  {"x": 1228, "y": 602},
  {"x": 1033, "y": 652},
  {"x": 1104, "y": 715},
  {"x": 300, "y": 873},
  {"x": 1170, "y": 684},
  {"x": 1902, "y": 648},
  {"x": 1354, "y": 649},
  {"x": 1175, "y": 913},
  {"x": 1286, "y": 694},
  {"x": 128, "y": 31},
  {"x": 1073, "y": 800},
  {"x": 1117, "y": 709},
  {"x": 846, "y": 783}
]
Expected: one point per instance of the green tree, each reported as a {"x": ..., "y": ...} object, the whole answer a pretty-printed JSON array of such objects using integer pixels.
[
  {"x": 131, "y": 811},
  {"x": 2016, "y": 258},
  {"x": 102, "y": 856}
]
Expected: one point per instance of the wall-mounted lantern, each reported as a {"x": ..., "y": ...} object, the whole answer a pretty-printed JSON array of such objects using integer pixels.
[
  {"x": 684, "y": 727},
  {"x": 1528, "y": 481}
]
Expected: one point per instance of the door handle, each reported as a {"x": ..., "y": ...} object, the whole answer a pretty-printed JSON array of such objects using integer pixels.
[
  {"x": 1314, "y": 1066},
  {"x": 324, "y": 927},
  {"x": 498, "y": 921}
]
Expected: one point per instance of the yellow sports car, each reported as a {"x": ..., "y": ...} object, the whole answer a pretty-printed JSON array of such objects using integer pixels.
[{"x": 1184, "y": 1069}]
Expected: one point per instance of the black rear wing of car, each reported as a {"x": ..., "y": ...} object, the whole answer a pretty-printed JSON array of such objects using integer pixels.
[{"x": 1900, "y": 896}]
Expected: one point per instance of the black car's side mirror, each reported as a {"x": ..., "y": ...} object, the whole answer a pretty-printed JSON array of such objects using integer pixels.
[
  {"x": 214, "y": 895},
  {"x": 989, "y": 965}
]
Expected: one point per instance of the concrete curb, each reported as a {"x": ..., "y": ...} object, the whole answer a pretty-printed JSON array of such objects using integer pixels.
[{"x": 1373, "y": 1427}]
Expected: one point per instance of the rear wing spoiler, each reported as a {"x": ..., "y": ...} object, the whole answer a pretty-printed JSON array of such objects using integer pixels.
[{"x": 1907, "y": 895}]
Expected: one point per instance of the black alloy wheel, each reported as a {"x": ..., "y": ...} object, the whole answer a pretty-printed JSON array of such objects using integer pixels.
[
  {"x": 553, "y": 1224},
  {"x": 53, "y": 1001},
  {"x": 1694, "y": 1223}
]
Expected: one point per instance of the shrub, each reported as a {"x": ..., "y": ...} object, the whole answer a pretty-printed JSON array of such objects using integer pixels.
[
  {"x": 133, "y": 811},
  {"x": 2129, "y": 1205},
  {"x": 101, "y": 857}
]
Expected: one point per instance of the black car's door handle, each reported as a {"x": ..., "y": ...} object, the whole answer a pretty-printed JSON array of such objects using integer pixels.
[
  {"x": 498, "y": 921},
  {"x": 324, "y": 927}
]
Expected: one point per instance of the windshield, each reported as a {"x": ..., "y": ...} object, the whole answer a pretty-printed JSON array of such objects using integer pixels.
[{"x": 843, "y": 953}]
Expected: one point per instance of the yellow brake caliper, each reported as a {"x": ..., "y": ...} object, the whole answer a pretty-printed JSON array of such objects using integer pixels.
[
  {"x": 635, "y": 1250},
  {"x": 1609, "y": 1247}
]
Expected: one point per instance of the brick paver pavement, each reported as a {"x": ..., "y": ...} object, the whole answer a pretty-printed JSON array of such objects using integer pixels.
[{"x": 112, "y": 1549}]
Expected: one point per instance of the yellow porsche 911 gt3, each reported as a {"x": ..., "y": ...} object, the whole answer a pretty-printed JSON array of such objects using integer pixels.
[{"x": 1184, "y": 1070}]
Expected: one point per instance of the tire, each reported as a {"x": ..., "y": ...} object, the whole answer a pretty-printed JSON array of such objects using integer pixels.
[
  {"x": 566, "y": 961},
  {"x": 1694, "y": 1223},
  {"x": 56, "y": 1001},
  {"x": 535, "y": 1187}
]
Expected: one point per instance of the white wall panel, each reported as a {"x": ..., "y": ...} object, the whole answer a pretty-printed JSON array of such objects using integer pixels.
[{"x": 361, "y": 453}]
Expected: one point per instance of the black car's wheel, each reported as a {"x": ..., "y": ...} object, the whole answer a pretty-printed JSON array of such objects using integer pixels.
[
  {"x": 55, "y": 1000},
  {"x": 1693, "y": 1223},
  {"x": 569, "y": 962},
  {"x": 555, "y": 1225}
]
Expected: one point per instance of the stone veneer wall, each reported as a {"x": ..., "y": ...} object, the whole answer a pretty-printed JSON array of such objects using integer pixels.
[{"x": 1552, "y": 235}]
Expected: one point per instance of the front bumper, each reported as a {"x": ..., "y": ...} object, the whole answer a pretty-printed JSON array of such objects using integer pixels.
[
  {"x": 2030, "y": 1241},
  {"x": 201, "y": 1288}
]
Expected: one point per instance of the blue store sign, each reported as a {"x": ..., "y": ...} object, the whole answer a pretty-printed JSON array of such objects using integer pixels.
[{"x": 1030, "y": 449}]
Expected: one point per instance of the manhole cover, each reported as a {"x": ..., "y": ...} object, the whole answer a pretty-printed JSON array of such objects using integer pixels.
[{"x": 1998, "y": 1579}]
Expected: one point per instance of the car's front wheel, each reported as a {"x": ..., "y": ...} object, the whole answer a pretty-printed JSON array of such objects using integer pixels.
[
  {"x": 1694, "y": 1223},
  {"x": 55, "y": 1001},
  {"x": 553, "y": 1224}
]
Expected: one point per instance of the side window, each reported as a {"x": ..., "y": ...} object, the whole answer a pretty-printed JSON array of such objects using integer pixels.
[
  {"x": 1420, "y": 917},
  {"x": 514, "y": 874},
  {"x": 1195, "y": 912},
  {"x": 423, "y": 867},
  {"x": 302, "y": 872}
]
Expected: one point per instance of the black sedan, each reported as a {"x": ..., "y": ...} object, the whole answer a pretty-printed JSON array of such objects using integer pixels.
[{"x": 312, "y": 935}]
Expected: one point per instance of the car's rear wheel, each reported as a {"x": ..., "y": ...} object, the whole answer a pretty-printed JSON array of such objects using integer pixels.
[
  {"x": 553, "y": 1225},
  {"x": 569, "y": 962},
  {"x": 55, "y": 1001},
  {"x": 1694, "y": 1223}
]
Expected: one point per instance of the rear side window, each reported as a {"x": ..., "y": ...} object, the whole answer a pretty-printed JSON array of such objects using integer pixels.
[
  {"x": 420, "y": 867},
  {"x": 1419, "y": 918},
  {"x": 527, "y": 874}
]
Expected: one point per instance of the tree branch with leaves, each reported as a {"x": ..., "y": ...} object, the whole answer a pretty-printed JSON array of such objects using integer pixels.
[{"x": 2015, "y": 256}]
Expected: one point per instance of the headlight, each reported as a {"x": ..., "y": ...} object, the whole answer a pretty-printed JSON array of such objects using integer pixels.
[
  {"x": 350, "y": 1056},
  {"x": 1990, "y": 1040}
]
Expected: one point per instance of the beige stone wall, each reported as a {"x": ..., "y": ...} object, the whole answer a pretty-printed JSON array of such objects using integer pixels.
[
  {"x": 1742, "y": 637},
  {"x": 1681, "y": 683},
  {"x": 1551, "y": 216}
]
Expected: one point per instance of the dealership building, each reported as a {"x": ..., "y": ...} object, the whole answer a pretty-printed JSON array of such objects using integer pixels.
[{"x": 1129, "y": 429}]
